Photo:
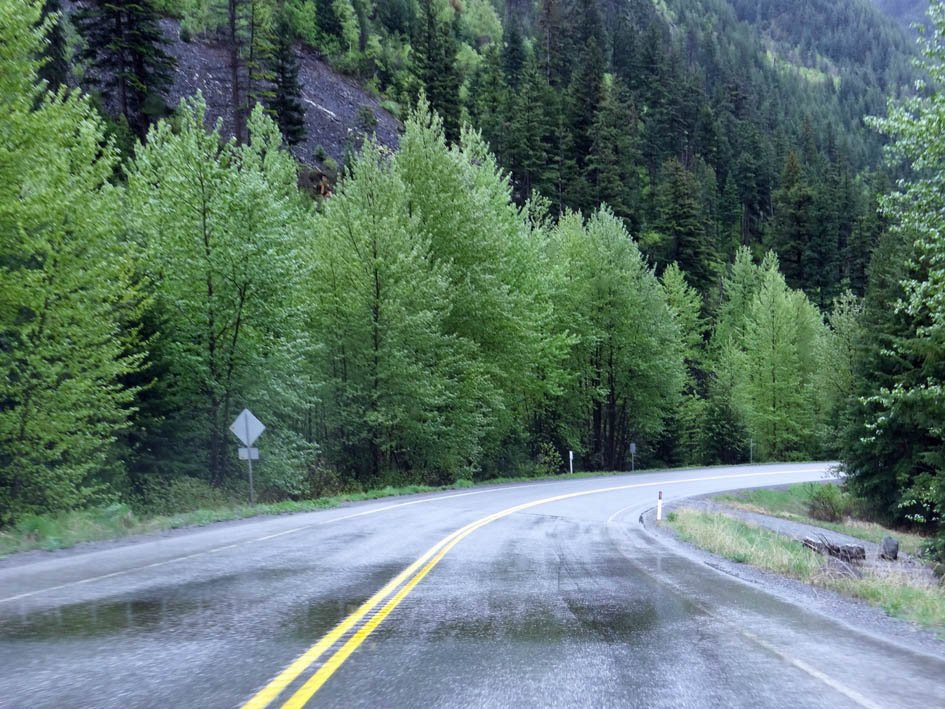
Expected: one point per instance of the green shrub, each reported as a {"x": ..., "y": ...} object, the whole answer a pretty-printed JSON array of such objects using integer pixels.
[
  {"x": 181, "y": 494},
  {"x": 393, "y": 108},
  {"x": 37, "y": 527},
  {"x": 828, "y": 503},
  {"x": 116, "y": 515},
  {"x": 549, "y": 460},
  {"x": 326, "y": 481},
  {"x": 367, "y": 121},
  {"x": 331, "y": 166}
]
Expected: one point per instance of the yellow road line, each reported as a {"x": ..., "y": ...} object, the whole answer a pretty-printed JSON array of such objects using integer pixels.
[
  {"x": 272, "y": 690},
  {"x": 314, "y": 683},
  {"x": 265, "y": 696},
  {"x": 428, "y": 561}
]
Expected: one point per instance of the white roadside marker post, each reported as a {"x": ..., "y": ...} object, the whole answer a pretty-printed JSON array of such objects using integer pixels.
[
  {"x": 571, "y": 461},
  {"x": 659, "y": 507}
]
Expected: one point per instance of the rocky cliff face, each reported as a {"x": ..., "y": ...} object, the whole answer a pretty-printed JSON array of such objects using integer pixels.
[{"x": 336, "y": 107}]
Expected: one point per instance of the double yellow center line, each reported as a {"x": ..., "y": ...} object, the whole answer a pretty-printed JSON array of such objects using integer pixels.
[{"x": 396, "y": 590}]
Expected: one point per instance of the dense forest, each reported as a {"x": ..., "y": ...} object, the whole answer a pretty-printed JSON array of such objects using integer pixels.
[{"x": 615, "y": 222}]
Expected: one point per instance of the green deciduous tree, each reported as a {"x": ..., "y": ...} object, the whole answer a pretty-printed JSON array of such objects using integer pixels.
[
  {"x": 429, "y": 294},
  {"x": 498, "y": 296},
  {"x": 395, "y": 395},
  {"x": 221, "y": 226},
  {"x": 682, "y": 442},
  {"x": 773, "y": 356},
  {"x": 65, "y": 287},
  {"x": 626, "y": 364}
]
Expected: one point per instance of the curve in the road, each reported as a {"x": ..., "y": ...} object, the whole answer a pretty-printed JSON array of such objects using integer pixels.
[
  {"x": 253, "y": 540},
  {"x": 396, "y": 590}
]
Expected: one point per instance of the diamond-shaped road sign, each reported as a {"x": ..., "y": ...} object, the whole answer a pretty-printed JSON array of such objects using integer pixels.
[{"x": 247, "y": 427}]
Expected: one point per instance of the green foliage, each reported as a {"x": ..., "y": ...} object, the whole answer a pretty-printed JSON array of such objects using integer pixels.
[
  {"x": 827, "y": 502},
  {"x": 625, "y": 369},
  {"x": 66, "y": 288},
  {"x": 220, "y": 224},
  {"x": 896, "y": 453},
  {"x": 768, "y": 342}
]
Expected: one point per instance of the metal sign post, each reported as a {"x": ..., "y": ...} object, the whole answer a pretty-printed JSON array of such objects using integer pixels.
[{"x": 247, "y": 428}]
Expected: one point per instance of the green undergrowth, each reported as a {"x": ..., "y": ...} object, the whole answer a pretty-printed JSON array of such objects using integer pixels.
[
  {"x": 66, "y": 529},
  {"x": 897, "y": 594},
  {"x": 795, "y": 502}
]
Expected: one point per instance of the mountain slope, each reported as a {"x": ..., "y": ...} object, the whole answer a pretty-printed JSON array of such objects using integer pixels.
[
  {"x": 906, "y": 12},
  {"x": 337, "y": 108}
]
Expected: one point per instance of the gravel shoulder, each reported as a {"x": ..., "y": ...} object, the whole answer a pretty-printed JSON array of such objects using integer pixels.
[{"x": 852, "y": 613}]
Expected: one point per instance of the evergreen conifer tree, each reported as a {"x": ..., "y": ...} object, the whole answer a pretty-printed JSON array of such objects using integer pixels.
[
  {"x": 613, "y": 167},
  {"x": 794, "y": 227},
  {"x": 681, "y": 222},
  {"x": 513, "y": 55},
  {"x": 125, "y": 46},
  {"x": 327, "y": 19},
  {"x": 436, "y": 48},
  {"x": 285, "y": 101},
  {"x": 55, "y": 68}
]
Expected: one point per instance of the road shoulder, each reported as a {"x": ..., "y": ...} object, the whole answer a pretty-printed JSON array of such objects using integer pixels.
[{"x": 853, "y": 613}]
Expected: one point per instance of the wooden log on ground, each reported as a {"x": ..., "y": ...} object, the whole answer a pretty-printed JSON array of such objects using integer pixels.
[{"x": 844, "y": 552}]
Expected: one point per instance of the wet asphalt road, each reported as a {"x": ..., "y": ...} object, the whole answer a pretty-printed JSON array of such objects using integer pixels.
[{"x": 568, "y": 603}]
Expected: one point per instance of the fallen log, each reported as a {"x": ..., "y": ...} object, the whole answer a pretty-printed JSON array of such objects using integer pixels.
[{"x": 844, "y": 552}]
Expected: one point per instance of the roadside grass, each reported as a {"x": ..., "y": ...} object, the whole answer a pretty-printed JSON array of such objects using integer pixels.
[
  {"x": 116, "y": 521},
  {"x": 745, "y": 543},
  {"x": 791, "y": 503},
  {"x": 897, "y": 594}
]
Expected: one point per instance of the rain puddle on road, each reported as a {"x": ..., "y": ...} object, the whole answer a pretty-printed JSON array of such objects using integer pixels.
[
  {"x": 311, "y": 619},
  {"x": 183, "y": 607}
]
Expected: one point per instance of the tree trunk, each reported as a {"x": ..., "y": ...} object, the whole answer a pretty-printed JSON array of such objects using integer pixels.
[{"x": 239, "y": 117}]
